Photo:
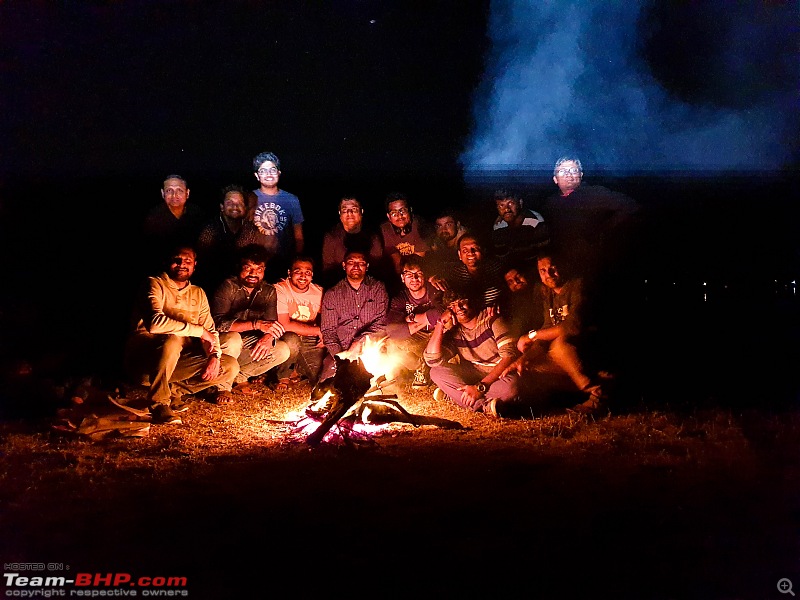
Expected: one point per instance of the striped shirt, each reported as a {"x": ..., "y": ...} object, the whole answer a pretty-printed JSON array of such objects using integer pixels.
[
  {"x": 485, "y": 345},
  {"x": 487, "y": 283}
]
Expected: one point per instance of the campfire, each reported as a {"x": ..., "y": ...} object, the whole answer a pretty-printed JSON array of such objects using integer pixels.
[{"x": 352, "y": 405}]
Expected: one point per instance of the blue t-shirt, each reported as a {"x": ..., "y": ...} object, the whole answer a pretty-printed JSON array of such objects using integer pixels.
[{"x": 274, "y": 220}]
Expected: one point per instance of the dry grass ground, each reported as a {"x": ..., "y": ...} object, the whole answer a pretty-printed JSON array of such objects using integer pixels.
[{"x": 642, "y": 504}]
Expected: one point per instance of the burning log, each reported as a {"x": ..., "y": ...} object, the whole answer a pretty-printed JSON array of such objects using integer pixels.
[
  {"x": 351, "y": 384},
  {"x": 382, "y": 410},
  {"x": 340, "y": 392}
]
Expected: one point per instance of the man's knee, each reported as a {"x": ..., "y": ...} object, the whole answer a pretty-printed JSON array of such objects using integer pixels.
[
  {"x": 292, "y": 341},
  {"x": 173, "y": 346},
  {"x": 231, "y": 343},
  {"x": 560, "y": 347},
  {"x": 281, "y": 351},
  {"x": 505, "y": 388},
  {"x": 230, "y": 366},
  {"x": 438, "y": 373}
]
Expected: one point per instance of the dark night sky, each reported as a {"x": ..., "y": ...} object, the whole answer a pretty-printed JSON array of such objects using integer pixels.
[
  {"x": 132, "y": 88},
  {"x": 100, "y": 100}
]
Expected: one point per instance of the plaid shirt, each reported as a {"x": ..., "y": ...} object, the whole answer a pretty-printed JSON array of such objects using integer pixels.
[{"x": 348, "y": 313}]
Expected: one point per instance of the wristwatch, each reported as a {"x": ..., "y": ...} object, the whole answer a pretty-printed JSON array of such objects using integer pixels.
[{"x": 482, "y": 387}]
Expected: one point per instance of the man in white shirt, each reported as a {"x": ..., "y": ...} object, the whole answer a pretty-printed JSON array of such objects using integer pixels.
[{"x": 299, "y": 299}]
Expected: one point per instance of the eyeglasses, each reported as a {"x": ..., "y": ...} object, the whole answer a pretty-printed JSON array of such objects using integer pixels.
[
  {"x": 349, "y": 211},
  {"x": 270, "y": 171},
  {"x": 414, "y": 274},
  {"x": 398, "y": 213},
  {"x": 570, "y": 171},
  {"x": 458, "y": 304}
]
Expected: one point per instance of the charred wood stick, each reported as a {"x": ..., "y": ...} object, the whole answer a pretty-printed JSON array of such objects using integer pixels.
[
  {"x": 418, "y": 420},
  {"x": 379, "y": 386},
  {"x": 336, "y": 413}
]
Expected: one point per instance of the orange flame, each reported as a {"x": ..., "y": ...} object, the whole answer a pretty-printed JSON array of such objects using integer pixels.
[{"x": 374, "y": 355}]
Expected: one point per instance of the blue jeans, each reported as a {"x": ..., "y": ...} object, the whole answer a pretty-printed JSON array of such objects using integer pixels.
[{"x": 449, "y": 377}]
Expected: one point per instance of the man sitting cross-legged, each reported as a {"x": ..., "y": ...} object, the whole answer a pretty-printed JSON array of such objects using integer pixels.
[{"x": 480, "y": 338}]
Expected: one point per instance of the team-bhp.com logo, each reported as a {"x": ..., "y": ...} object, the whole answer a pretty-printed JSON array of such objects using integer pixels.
[{"x": 93, "y": 585}]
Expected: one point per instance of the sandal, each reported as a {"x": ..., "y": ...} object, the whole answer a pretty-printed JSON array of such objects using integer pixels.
[{"x": 223, "y": 398}]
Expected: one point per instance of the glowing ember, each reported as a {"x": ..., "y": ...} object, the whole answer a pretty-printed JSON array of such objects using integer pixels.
[
  {"x": 349, "y": 426},
  {"x": 351, "y": 405}
]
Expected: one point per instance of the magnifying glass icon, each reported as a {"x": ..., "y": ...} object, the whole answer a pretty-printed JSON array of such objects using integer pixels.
[{"x": 785, "y": 586}]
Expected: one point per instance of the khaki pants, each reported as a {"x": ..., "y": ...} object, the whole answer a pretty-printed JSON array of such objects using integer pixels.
[{"x": 173, "y": 365}]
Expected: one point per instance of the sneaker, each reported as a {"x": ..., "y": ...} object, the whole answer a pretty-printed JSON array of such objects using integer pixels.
[
  {"x": 420, "y": 379},
  {"x": 178, "y": 405},
  {"x": 439, "y": 395},
  {"x": 162, "y": 414},
  {"x": 490, "y": 408}
]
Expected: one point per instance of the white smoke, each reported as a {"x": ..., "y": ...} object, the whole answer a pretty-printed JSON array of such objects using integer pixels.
[{"x": 568, "y": 78}]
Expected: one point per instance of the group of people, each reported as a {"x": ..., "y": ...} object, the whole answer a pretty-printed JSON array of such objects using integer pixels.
[{"x": 480, "y": 315}]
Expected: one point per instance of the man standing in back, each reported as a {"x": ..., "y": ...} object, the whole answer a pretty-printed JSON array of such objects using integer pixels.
[
  {"x": 276, "y": 218},
  {"x": 403, "y": 233},
  {"x": 590, "y": 225},
  {"x": 170, "y": 223}
]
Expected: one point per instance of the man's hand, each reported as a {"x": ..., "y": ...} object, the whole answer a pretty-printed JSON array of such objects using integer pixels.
[
  {"x": 470, "y": 396},
  {"x": 518, "y": 366},
  {"x": 438, "y": 282},
  {"x": 213, "y": 368},
  {"x": 273, "y": 328},
  {"x": 524, "y": 343},
  {"x": 207, "y": 339},
  {"x": 447, "y": 319},
  {"x": 263, "y": 347}
]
